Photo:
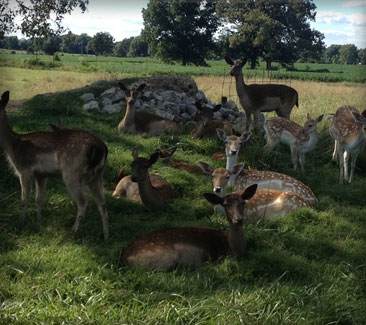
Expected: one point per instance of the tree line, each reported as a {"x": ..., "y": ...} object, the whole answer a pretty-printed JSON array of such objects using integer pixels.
[{"x": 189, "y": 32}]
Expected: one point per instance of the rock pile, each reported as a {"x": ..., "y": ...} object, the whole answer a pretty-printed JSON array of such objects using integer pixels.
[{"x": 169, "y": 96}]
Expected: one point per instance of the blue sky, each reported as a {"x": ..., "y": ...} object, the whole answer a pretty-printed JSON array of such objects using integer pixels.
[{"x": 341, "y": 21}]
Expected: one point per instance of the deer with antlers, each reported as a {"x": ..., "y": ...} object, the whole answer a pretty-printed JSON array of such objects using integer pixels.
[
  {"x": 139, "y": 122},
  {"x": 152, "y": 190},
  {"x": 300, "y": 139},
  {"x": 348, "y": 129},
  {"x": 192, "y": 246},
  {"x": 269, "y": 200},
  {"x": 261, "y": 98},
  {"x": 77, "y": 155}
]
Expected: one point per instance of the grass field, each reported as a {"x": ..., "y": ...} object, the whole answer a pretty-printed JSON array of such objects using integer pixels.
[{"x": 305, "y": 268}]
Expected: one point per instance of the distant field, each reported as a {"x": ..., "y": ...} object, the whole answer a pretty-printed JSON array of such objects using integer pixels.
[{"x": 149, "y": 66}]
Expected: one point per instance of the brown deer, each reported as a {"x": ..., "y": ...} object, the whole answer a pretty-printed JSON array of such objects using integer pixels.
[
  {"x": 206, "y": 125},
  {"x": 139, "y": 122},
  {"x": 151, "y": 190},
  {"x": 77, "y": 155},
  {"x": 300, "y": 139},
  {"x": 266, "y": 202},
  {"x": 233, "y": 144},
  {"x": 264, "y": 179},
  {"x": 261, "y": 98},
  {"x": 348, "y": 129},
  {"x": 166, "y": 156},
  {"x": 192, "y": 246}
]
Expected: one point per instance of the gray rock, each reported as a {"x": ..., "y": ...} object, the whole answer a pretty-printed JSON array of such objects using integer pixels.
[
  {"x": 201, "y": 96},
  {"x": 231, "y": 105},
  {"x": 91, "y": 106},
  {"x": 112, "y": 108},
  {"x": 87, "y": 97}
]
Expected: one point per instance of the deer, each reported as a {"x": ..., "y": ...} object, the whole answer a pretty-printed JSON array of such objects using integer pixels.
[
  {"x": 267, "y": 202},
  {"x": 152, "y": 190},
  {"x": 138, "y": 122},
  {"x": 169, "y": 248},
  {"x": 77, "y": 155},
  {"x": 233, "y": 144},
  {"x": 261, "y": 98},
  {"x": 300, "y": 139},
  {"x": 348, "y": 129},
  {"x": 264, "y": 179},
  {"x": 206, "y": 125},
  {"x": 166, "y": 156}
]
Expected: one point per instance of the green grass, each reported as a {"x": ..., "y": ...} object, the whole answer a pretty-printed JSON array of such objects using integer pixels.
[
  {"x": 305, "y": 268},
  {"x": 149, "y": 66}
]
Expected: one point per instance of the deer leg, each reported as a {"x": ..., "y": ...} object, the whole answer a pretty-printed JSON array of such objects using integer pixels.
[
  {"x": 346, "y": 168},
  {"x": 294, "y": 155},
  {"x": 248, "y": 120},
  {"x": 302, "y": 160},
  {"x": 41, "y": 183},
  {"x": 341, "y": 163},
  {"x": 334, "y": 156},
  {"x": 96, "y": 187},
  {"x": 353, "y": 165},
  {"x": 26, "y": 186}
]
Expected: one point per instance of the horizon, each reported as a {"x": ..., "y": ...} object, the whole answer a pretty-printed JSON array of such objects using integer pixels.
[{"x": 341, "y": 21}]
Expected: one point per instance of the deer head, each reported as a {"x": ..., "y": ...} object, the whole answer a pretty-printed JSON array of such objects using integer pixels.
[
  {"x": 140, "y": 166},
  {"x": 132, "y": 93},
  {"x": 311, "y": 124},
  {"x": 233, "y": 142},
  {"x": 236, "y": 66},
  {"x": 361, "y": 120}
]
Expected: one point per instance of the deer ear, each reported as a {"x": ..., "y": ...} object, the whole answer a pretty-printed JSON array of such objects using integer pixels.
[
  {"x": 213, "y": 198},
  {"x": 141, "y": 87},
  {"x": 237, "y": 169},
  {"x": 135, "y": 153},
  {"x": 364, "y": 113},
  {"x": 221, "y": 134},
  {"x": 217, "y": 108},
  {"x": 228, "y": 60},
  {"x": 223, "y": 100},
  {"x": 206, "y": 168},
  {"x": 154, "y": 157},
  {"x": 122, "y": 86},
  {"x": 319, "y": 118},
  {"x": 358, "y": 117},
  {"x": 249, "y": 192},
  {"x": 172, "y": 150},
  {"x": 242, "y": 64},
  {"x": 198, "y": 105},
  {"x": 245, "y": 136},
  {"x": 4, "y": 99}
]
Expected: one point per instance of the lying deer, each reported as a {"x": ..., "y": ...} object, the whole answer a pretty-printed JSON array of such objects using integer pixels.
[
  {"x": 139, "y": 122},
  {"x": 300, "y": 139},
  {"x": 233, "y": 144},
  {"x": 348, "y": 129},
  {"x": 264, "y": 179},
  {"x": 266, "y": 202},
  {"x": 78, "y": 155},
  {"x": 261, "y": 98},
  {"x": 206, "y": 125},
  {"x": 151, "y": 190},
  {"x": 166, "y": 156},
  {"x": 193, "y": 246}
]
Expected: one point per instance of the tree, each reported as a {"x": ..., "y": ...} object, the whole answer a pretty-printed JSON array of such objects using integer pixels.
[
  {"x": 121, "y": 48},
  {"x": 38, "y": 16},
  {"x": 348, "y": 54},
  {"x": 52, "y": 44},
  {"x": 138, "y": 47},
  {"x": 331, "y": 54},
  {"x": 102, "y": 43},
  {"x": 362, "y": 56},
  {"x": 276, "y": 30},
  {"x": 180, "y": 30},
  {"x": 12, "y": 43}
]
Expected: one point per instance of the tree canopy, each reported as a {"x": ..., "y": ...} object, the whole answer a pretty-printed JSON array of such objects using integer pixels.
[
  {"x": 272, "y": 29},
  {"x": 180, "y": 30},
  {"x": 102, "y": 43}
]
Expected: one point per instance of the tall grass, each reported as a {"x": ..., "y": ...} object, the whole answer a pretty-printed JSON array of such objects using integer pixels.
[{"x": 304, "y": 268}]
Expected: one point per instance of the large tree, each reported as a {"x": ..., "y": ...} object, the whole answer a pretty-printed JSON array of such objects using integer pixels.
[
  {"x": 276, "y": 30},
  {"x": 102, "y": 43},
  {"x": 179, "y": 30}
]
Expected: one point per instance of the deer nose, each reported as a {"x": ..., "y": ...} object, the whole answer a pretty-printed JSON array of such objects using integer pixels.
[
  {"x": 217, "y": 189},
  {"x": 233, "y": 152}
]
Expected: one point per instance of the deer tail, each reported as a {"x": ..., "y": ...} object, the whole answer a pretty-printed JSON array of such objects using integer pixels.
[{"x": 97, "y": 156}]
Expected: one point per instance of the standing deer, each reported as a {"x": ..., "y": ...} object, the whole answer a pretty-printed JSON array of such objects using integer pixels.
[
  {"x": 264, "y": 179},
  {"x": 166, "y": 156},
  {"x": 134, "y": 122},
  {"x": 261, "y": 98},
  {"x": 78, "y": 155},
  {"x": 206, "y": 125},
  {"x": 300, "y": 139},
  {"x": 348, "y": 129},
  {"x": 192, "y": 246},
  {"x": 151, "y": 190},
  {"x": 266, "y": 202},
  {"x": 233, "y": 144}
]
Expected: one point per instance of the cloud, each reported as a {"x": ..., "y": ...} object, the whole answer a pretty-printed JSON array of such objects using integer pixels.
[
  {"x": 354, "y": 3},
  {"x": 333, "y": 17}
]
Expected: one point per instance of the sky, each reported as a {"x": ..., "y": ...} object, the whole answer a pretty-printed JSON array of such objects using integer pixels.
[{"x": 341, "y": 21}]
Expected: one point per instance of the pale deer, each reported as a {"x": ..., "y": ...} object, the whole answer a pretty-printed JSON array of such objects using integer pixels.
[
  {"x": 166, "y": 156},
  {"x": 300, "y": 139},
  {"x": 264, "y": 179},
  {"x": 77, "y": 155},
  {"x": 233, "y": 144},
  {"x": 348, "y": 129},
  {"x": 193, "y": 246},
  {"x": 152, "y": 190},
  {"x": 139, "y": 122},
  {"x": 256, "y": 98},
  {"x": 266, "y": 202},
  {"x": 206, "y": 125}
]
